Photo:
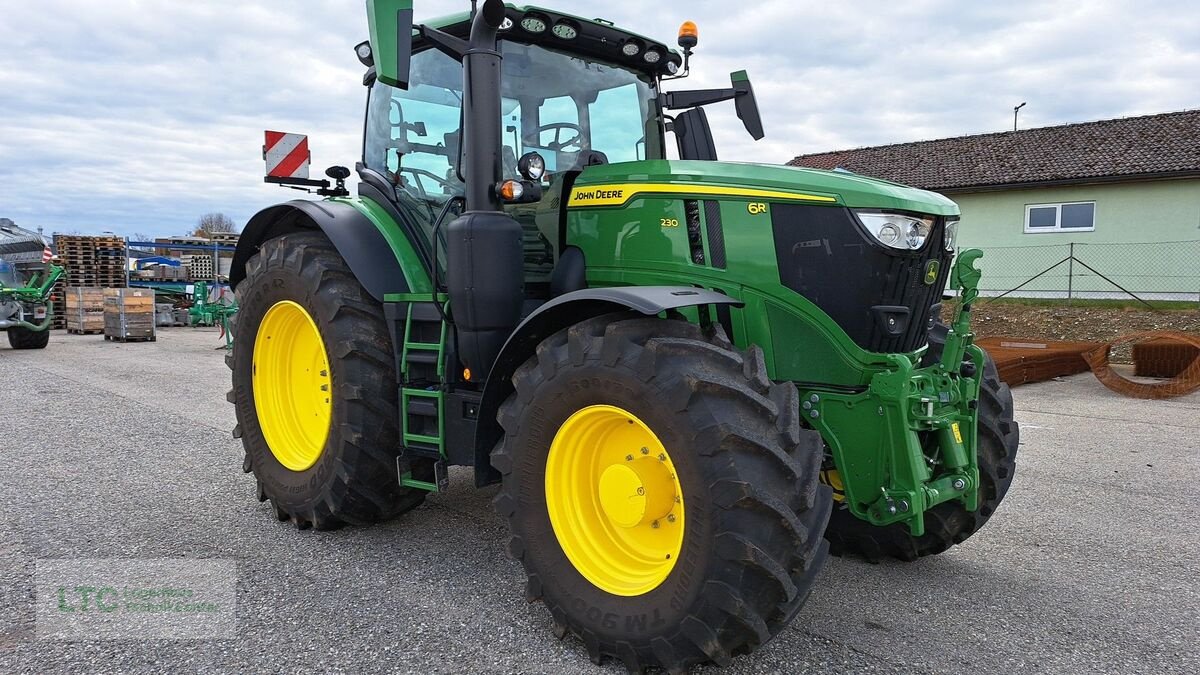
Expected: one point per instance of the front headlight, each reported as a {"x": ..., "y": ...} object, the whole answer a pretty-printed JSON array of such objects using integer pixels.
[
  {"x": 951, "y": 234},
  {"x": 907, "y": 233}
]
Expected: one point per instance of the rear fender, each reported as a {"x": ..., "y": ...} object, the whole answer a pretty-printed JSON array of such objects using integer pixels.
[{"x": 355, "y": 237}]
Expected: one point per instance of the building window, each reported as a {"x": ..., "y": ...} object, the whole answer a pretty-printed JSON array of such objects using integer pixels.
[{"x": 1067, "y": 217}]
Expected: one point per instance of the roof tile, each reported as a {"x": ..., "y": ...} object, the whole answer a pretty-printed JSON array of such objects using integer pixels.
[{"x": 1133, "y": 146}]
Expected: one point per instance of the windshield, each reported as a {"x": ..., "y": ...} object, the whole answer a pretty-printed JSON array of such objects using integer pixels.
[
  {"x": 562, "y": 105},
  {"x": 557, "y": 104}
]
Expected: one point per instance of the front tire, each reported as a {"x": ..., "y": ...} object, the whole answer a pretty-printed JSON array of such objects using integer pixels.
[
  {"x": 23, "y": 338},
  {"x": 314, "y": 387},
  {"x": 738, "y": 505}
]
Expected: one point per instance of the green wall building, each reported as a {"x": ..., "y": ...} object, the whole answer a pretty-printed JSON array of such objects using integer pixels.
[{"x": 1082, "y": 209}]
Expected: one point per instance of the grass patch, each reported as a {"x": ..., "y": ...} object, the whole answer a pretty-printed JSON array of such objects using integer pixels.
[{"x": 1129, "y": 303}]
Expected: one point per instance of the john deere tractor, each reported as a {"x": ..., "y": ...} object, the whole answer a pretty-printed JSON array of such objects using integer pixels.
[
  {"x": 26, "y": 279},
  {"x": 690, "y": 378}
]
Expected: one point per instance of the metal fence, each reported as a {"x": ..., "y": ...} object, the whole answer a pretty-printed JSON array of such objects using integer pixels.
[{"x": 1139, "y": 271}]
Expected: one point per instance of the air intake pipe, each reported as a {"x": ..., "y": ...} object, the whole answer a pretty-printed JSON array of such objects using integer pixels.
[{"x": 484, "y": 253}]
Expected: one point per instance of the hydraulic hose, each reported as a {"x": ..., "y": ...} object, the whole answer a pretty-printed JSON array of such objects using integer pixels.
[{"x": 35, "y": 327}]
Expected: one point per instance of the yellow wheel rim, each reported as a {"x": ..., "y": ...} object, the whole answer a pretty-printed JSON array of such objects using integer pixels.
[
  {"x": 833, "y": 479},
  {"x": 615, "y": 501},
  {"x": 292, "y": 386}
]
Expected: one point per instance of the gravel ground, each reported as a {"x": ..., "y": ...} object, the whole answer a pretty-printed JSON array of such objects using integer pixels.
[{"x": 1091, "y": 564}]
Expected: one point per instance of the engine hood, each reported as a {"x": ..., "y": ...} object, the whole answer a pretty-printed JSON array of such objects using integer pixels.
[{"x": 614, "y": 184}]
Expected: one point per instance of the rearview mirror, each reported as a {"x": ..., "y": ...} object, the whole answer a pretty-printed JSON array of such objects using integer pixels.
[
  {"x": 746, "y": 105},
  {"x": 391, "y": 26},
  {"x": 693, "y": 136}
]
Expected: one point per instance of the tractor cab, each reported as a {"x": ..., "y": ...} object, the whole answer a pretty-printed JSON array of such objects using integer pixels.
[
  {"x": 574, "y": 93},
  {"x": 567, "y": 110}
]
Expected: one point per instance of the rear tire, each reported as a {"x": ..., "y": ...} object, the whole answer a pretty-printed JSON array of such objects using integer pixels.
[
  {"x": 753, "y": 508},
  {"x": 23, "y": 338},
  {"x": 353, "y": 480},
  {"x": 948, "y": 523}
]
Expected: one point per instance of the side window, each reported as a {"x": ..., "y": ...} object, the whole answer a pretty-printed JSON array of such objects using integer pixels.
[
  {"x": 1064, "y": 217},
  {"x": 1042, "y": 217},
  {"x": 617, "y": 128},
  {"x": 424, "y": 148},
  {"x": 413, "y": 136}
]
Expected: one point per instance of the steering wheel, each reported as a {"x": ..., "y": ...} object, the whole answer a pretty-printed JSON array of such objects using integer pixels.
[{"x": 559, "y": 145}]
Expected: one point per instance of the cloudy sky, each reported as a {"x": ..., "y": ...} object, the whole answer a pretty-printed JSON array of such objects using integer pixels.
[{"x": 138, "y": 116}]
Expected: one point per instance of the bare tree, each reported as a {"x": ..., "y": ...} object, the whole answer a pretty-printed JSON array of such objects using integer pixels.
[
  {"x": 141, "y": 236},
  {"x": 213, "y": 223}
]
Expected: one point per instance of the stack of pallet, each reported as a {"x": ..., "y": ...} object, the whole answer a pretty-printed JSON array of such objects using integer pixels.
[
  {"x": 84, "y": 310},
  {"x": 129, "y": 314},
  {"x": 58, "y": 299},
  {"x": 96, "y": 262}
]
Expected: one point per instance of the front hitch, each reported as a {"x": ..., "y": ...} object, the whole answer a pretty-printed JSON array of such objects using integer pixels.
[
  {"x": 964, "y": 278},
  {"x": 910, "y": 441}
]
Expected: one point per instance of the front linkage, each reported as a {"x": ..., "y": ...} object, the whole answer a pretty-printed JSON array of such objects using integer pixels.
[
  {"x": 35, "y": 293},
  {"x": 909, "y": 442}
]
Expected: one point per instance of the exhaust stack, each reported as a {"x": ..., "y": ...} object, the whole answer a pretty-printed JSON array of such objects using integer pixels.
[{"x": 484, "y": 253}]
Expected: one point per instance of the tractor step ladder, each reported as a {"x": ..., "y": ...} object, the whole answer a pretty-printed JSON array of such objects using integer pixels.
[{"x": 422, "y": 395}]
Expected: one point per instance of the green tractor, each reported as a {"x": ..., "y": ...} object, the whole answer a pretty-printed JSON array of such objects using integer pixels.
[
  {"x": 26, "y": 280},
  {"x": 691, "y": 379}
]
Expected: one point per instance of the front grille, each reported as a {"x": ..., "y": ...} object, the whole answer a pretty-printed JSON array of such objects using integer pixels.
[{"x": 825, "y": 256}]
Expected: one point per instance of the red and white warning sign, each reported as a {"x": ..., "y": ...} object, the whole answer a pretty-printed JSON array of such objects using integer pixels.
[{"x": 287, "y": 155}]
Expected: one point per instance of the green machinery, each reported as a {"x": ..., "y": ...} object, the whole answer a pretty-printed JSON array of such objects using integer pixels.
[
  {"x": 692, "y": 379},
  {"x": 204, "y": 311},
  {"x": 25, "y": 284}
]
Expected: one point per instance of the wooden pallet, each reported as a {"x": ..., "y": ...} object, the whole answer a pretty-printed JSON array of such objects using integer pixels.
[
  {"x": 129, "y": 314},
  {"x": 85, "y": 331},
  {"x": 130, "y": 338}
]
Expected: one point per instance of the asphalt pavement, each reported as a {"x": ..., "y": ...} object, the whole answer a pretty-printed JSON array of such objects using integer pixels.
[{"x": 108, "y": 450}]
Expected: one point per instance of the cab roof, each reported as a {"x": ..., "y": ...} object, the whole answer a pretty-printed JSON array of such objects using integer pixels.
[{"x": 596, "y": 38}]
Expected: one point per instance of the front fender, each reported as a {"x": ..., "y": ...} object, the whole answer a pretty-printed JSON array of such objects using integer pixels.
[
  {"x": 355, "y": 237},
  {"x": 561, "y": 312}
]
